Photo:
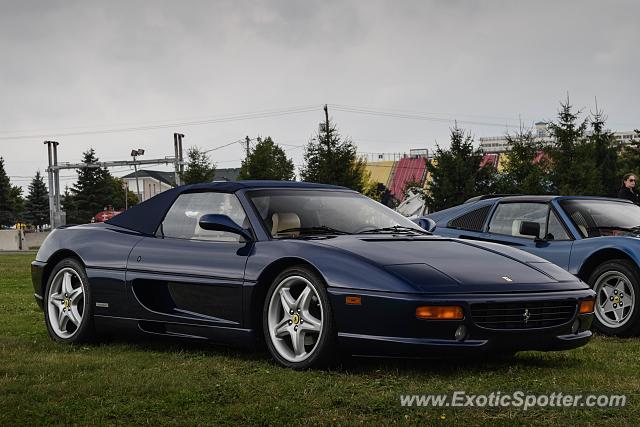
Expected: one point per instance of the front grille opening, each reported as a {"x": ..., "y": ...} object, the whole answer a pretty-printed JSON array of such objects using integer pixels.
[{"x": 523, "y": 315}]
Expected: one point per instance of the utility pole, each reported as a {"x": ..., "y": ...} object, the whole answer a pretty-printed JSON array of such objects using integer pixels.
[
  {"x": 247, "y": 142},
  {"x": 179, "y": 161},
  {"x": 56, "y": 216},
  {"x": 51, "y": 188},
  {"x": 134, "y": 154}
]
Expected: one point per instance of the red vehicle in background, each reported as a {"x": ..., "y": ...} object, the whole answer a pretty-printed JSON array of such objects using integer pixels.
[{"x": 106, "y": 214}]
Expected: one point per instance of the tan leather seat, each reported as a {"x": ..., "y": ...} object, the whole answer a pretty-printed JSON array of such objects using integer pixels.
[
  {"x": 515, "y": 228},
  {"x": 285, "y": 221}
]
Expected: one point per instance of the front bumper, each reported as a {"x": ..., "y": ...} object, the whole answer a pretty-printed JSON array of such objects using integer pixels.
[{"x": 385, "y": 324}]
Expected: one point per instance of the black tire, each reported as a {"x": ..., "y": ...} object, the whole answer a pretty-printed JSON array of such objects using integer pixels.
[
  {"x": 629, "y": 270},
  {"x": 84, "y": 331},
  {"x": 323, "y": 353}
]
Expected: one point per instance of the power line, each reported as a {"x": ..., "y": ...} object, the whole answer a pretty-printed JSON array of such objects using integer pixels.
[
  {"x": 453, "y": 116},
  {"x": 138, "y": 123},
  {"x": 225, "y": 145},
  {"x": 223, "y": 119},
  {"x": 410, "y": 116}
]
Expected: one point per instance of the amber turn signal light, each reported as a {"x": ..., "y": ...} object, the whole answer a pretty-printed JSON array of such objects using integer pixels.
[
  {"x": 586, "y": 306},
  {"x": 440, "y": 312},
  {"x": 353, "y": 300}
]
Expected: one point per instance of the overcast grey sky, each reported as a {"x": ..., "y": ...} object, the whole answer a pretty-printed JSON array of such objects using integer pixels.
[{"x": 85, "y": 66}]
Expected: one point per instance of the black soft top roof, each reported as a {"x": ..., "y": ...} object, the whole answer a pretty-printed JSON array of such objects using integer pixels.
[{"x": 146, "y": 216}]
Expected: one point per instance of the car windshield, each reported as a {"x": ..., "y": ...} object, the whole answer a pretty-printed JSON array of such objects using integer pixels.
[
  {"x": 290, "y": 213},
  {"x": 596, "y": 218}
]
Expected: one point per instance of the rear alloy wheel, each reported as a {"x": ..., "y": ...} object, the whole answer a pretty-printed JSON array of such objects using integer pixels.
[
  {"x": 616, "y": 286},
  {"x": 68, "y": 303},
  {"x": 297, "y": 320}
]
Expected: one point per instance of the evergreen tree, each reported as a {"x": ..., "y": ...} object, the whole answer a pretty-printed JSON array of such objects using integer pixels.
[
  {"x": 37, "y": 203},
  {"x": 7, "y": 208},
  {"x": 329, "y": 159},
  {"x": 18, "y": 203},
  {"x": 267, "y": 161},
  {"x": 571, "y": 165},
  {"x": 95, "y": 190},
  {"x": 199, "y": 167},
  {"x": 525, "y": 171},
  {"x": 456, "y": 174},
  {"x": 605, "y": 156}
]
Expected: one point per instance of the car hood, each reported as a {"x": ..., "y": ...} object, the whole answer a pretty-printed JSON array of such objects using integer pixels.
[{"x": 435, "y": 264}]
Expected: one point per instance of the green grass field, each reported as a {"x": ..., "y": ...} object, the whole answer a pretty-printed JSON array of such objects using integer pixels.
[{"x": 180, "y": 383}]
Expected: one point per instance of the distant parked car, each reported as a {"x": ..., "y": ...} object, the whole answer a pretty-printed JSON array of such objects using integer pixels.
[
  {"x": 593, "y": 238},
  {"x": 106, "y": 214},
  {"x": 304, "y": 268}
]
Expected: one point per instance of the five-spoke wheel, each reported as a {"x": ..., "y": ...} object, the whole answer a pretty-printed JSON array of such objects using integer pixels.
[
  {"x": 297, "y": 319},
  {"x": 67, "y": 304},
  {"x": 616, "y": 286}
]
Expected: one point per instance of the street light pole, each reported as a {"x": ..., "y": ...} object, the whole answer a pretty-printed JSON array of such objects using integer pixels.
[
  {"x": 134, "y": 154},
  {"x": 126, "y": 195}
]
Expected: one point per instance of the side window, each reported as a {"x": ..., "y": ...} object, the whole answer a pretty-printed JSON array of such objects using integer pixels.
[
  {"x": 555, "y": 230},
  {"x": 508, "y": 217},
  {"x": 181, "y": 222},
  {"x": 471, "y": 221}
]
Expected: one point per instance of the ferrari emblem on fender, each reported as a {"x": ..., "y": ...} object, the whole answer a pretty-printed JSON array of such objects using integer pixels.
[{"x": 526, "y": 315}]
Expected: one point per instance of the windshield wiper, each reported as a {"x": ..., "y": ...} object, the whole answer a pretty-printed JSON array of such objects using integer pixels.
[
  {"x": 322, "y": 229},
  {"x": 396, "y": 229}
]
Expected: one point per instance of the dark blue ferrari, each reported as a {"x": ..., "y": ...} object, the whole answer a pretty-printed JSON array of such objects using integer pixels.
[
  {"x": 310, "y": 270},
  {"x": 594, "y": 238}
]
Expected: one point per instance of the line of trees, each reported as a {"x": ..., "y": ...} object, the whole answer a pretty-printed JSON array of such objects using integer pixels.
[
  {"x": 583, "y": 159},
  {"x": 14, "y": 208}
]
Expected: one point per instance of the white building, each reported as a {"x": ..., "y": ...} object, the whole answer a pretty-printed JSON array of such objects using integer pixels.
[
  {"x": 151, "y": 183},
  {"x": 499, "y": 144}
]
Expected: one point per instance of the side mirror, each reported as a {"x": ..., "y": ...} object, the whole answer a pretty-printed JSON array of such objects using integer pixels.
[
  {"x": 427, "y": 223},
  {"x": 530, "y": 228},
  {"x": 216, "y": 222}
]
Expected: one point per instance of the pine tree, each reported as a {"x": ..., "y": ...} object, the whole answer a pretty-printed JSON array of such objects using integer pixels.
[
  {"x": 37, "y": 203},
  {"x": 18, "y": 203},
  {"x": 96, "y": 189},
  {"x": 525, "y": 171},
  {"x": 570, "y": 171},
  {"x": 456, "y": 174},
  {"x": 7, "y": 208},
  {"x": 199, "y": 167},
  {"x": 329, "y": 159},
  {"x": 605, "y": 155},
  {"x": 267, "y": 161}
]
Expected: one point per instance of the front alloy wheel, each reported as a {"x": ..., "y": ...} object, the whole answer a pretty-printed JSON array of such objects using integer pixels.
[
  {"x": 67, "y": 309},
  {"x": 297, "y": 320},
  {"x": 616, "y": 286}
]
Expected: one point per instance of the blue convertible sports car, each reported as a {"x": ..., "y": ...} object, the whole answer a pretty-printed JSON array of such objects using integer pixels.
[
  {"x": 309, "y": 269},
  {"x": 592, "y": 237}
]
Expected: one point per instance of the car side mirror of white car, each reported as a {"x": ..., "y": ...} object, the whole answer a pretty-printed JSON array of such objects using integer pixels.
[{"x": 427, "y": 223}]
